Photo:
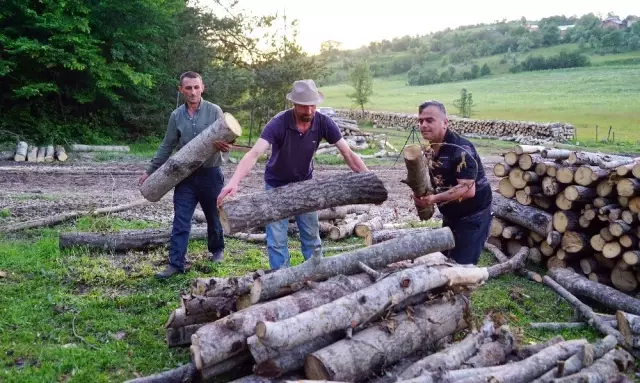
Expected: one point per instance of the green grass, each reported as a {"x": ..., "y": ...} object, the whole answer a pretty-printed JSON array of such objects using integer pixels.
[
  {"x": 82, "y": 316},
  {"x": 585, "y": 97}
]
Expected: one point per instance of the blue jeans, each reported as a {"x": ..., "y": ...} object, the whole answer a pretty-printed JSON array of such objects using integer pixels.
[
  {"x": 470, "y": 234},
  {"x": 277, "y": 237},
  {"x": 202, "y": 186}
]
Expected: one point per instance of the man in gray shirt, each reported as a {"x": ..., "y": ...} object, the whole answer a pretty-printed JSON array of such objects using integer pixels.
[{"x": 203, "y": 185}]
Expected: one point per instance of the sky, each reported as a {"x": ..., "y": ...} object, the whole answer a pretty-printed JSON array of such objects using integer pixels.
[{"x": 357, "y": 22}]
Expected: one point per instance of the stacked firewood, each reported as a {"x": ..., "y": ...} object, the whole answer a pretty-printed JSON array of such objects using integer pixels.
[
  {"x": 349, "y": 127},
  {"x": 383, "y": 313},
  {"x": 555, "y": 132},
  {"x": 35, "y": 153},
  {"x": 579, "y": 210}
]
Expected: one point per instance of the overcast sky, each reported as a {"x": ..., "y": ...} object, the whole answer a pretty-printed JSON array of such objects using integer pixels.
[{"x": 357, "y": 22}]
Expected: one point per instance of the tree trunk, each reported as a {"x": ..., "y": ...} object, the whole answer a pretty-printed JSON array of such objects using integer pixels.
[
  {"x": 378, "y": 236},
  {"x": 564, "y": 221},
  {"x": 40, "y": 156},
  {"x": 182, "y": 374},
  {"x": 511, "y": 158},
  {"x": 32, "y": 153},
  {"x": 275, "y": 363},
  {"x": 98, "y": 148},
  {"x": 190, "y": 157},
  {"x": 54, "y": 219},
  {"x": 575, "y": 242},
  {"x": 123, "y": 240},
  {"x": 353, "y": 309},
  {"x": 528, "y": 149},
  {"x": 555, "y": 154},
  {"x": 607, "y": 296},
  {"x": 528, "y": 161},
  {"x": 608, "y": 366},
  {"x": 579, "y": 193},
  {"x": 60, "y": 153},
  {"x": 449, "y": 359},
  {"x": 588, "y": 158},
  {"x": 222, "y": 339},
  {"x": 501, "y": 170},
  {"x": 506, "y": 189},
  {"x": 48, "y": 154},
  {"x": 344, "y": 230},
  {"x": 418, "y": 177},
  {"x": 261, "y": 208},
  {"x": 529, "y": 217},
  {"x": 198, "y": 304},
  {"x": 566, "y": 174},
  {"x": 550, "y": 187},
  {"x": 369, "y": 350},
  {"x": 628, "y": 187},
  {"x": 376, "y": 256},
  {"x": 588, "y": 175}
]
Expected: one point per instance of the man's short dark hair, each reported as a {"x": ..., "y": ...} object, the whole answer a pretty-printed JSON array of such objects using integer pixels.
[
  {"x": 189, "y": 74},
  {"x": 435, "y": 103}
]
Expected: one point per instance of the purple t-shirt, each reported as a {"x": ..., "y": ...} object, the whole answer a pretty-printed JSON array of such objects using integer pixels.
[{"x": 291, "y": 151}]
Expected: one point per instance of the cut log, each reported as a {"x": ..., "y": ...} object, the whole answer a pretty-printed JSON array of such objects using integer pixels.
[
  {"x": 554, "y": 239},
  {"x": 587, "y": 175},
  {"x": 533, "y": 190},
  {"x": 55, "y": 219},
  {"x": 258, "y": 209},
  {"x": 449, "y": 359},
  {"x": 589, "y": 265},
  {"x": 21, "y": 151},
  {"x": 608, "y": 366},
  {"x": 497, "y": 226},
  {"x": 552, "y": 168},
  {"x": 181, "y": 336},
  {"x": 227, "y": 337},
  {"x": 555, "y": 154},
  {"x": 98, "y": 148},
  {"x": 575, "y": 242},
  {"x": 355, "y": 308},
  {"x": 623, "y": 279},
  {"x": 32, "y": 153},
  {"x": 368, "y": 350},
  {"x": 345, "y": 229},
  {"x": 123, "y": 240},
  {"x": 564, "y": 221},
  {"x": 511, "y": 158},
  {"x": 606, "y": 295},
  {"x": 376, "y": 256},
  {"x": 582, "y": 359},
  {"x": 588, "y": 158},
  {"x": 501, "y": 170},
  {"x": 418, "y": 177},
  {"x": 629, "y": 217},
  {"x": 60, "y": 153},
  {"x": 550, "y": 187},
  {"x": 631, "y": 257},
  {"x": 528, "y": 161},
  {"x": 628, "y": 187},
  {"x": 492, "y": 353},
  {"x": 558, "y": 326},
  {"x": 541, "y": 168},
  {"x": 190, "y": 157},
  {"x": 528, "y": 217},
  {"x": 612, "y": 249},
  {"x": 579, "y": 193},
  {"x": 512, "y": 231},
  {"x": 527, "y": 351},
  {"x": 618, "y": 228},
  {"x": 565, "y": 175},
  {"x": 179, "y": 318},
  {"x": 523, "y": 198},
  {"x": 516, "y": 177},
  {"x": 377, "y": 236},
  {"x": 363, "y": 229},
  {"x": 506, "y": 188},
  {"x": 40, "y": 155},
  {"x": 281, "y": 362},
  {"x": 528, "y": 149},
  {"x": 48, "y": 154},
  {"x": 521, "y": 371},
  {"x": 182, "y": 374}
]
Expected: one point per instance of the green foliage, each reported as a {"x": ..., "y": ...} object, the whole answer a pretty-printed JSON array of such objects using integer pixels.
[
  {"x": 464, "y": 104},
  {"x": 361, "y": 80},
  {"x": 562, "y": 60}
]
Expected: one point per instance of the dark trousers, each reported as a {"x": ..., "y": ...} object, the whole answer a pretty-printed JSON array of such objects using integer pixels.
[
  {"x": 201, "y": 186},
  {"x": 470, "y": 234}
]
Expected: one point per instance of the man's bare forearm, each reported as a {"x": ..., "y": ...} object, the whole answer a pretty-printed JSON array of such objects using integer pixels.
[
  {"x": 458, "y": 192},
  {"x": 355, "y": 163}
]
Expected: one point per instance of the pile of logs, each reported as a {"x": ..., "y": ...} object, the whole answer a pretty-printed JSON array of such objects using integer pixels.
[
  {"x": 516, "y": 130},
  {"x": 359, "y": 140},
  {"x": 33, "y": 153},
  {"x": 573, "y": 209},
  {"x": 349, "y": 127}
]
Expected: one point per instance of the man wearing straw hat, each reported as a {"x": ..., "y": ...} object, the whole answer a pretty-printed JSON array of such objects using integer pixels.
[{"x": 294, "y": 136}]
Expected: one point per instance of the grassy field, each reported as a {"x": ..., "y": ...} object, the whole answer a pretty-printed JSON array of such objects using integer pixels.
[
  {"x": 79, "y": 316},
  {"x": 586, "y": 97}
]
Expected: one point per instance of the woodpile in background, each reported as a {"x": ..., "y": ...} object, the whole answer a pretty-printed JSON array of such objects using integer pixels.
[
  {"x": 524, "y": 132},
  {"x": 25, "y": 152},
  {"x": 359, "y": 140}
]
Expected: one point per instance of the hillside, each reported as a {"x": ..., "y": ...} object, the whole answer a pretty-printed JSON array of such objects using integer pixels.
[{"x": 605, "y": 95}]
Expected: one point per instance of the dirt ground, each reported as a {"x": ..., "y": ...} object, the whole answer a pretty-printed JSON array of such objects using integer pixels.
[{"x": 30, "y": 191}]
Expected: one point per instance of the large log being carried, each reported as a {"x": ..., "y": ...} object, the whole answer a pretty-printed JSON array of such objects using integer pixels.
[
  {"x": 261, "y": 208},
  {"x": 536, "y": 220},
  {"x": 418, "y": 177},
  {"x": 376, "y": 256},
  {"x": 190, "y": 157}
]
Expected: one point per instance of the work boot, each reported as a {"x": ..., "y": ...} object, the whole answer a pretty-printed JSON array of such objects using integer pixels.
[
  {"x": 168, "y": 272},
  {"x": 217, "y": 256}
]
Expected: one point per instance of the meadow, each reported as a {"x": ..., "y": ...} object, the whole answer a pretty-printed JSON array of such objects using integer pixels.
[{"x": 602, "y": 95}]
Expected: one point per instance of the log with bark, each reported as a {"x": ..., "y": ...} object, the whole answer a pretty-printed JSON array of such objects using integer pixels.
[
  {"x": 377, "y": 236},
  {"x": 60, "y": 153},
  {"x": 353, "y": 309},
  {"x": 369, "y": 350},
  {"x": 261, "y": 208},
  {"x": 32, "y": 153},
  {"x": 529, "y": 217},
  {"x": 418, "y": 178},
  {"x": 190, "y": 157},
  {"x": 379, "y": 255},
  {"x": 62, "y": 217},
  {"x": 608, "y": 366},
  {"x": 21, "y": 151},
  {"x": 182, "y": 374}
]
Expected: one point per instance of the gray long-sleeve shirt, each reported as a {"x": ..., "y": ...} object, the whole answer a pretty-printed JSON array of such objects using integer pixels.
[{"x": 182, "y": 128}]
